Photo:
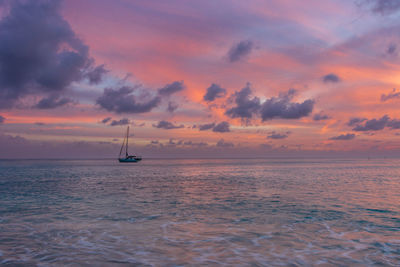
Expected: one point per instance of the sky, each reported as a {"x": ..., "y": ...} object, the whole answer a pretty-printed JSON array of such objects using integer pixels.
[{"x": 199, "y": 78}]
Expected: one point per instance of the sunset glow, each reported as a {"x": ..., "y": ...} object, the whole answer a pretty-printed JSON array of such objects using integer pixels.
[{"x": 194, "y": 78}]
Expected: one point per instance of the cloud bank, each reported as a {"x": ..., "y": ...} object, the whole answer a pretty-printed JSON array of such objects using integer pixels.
[
  {"x": 166, "y": 125},
  {"x": 222, "y": 127},
  {"x": 382, "y": 7},
  {"x": 40, "y": 54},
  {"x": 222, "y": 143},
  {"x": 343, "y": 137},
  {"x": 122, "y": 100},
  {"x": 281, "y": 106},
  {"x": 378, "y": 124},
  {"x": 246, "y": 106},
  {"x": 53, "y": 101}
]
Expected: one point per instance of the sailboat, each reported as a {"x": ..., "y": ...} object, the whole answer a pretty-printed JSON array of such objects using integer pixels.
[{"x": 127, "y": 158}]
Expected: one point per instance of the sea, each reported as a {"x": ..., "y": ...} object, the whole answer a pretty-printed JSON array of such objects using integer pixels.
[{"x": 200, "y": 212}]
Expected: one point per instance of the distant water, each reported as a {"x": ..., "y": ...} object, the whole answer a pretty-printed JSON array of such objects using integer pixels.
[{"x": 269, "y": 212}]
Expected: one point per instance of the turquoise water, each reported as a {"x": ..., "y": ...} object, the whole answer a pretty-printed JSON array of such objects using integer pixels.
[{"x": 269, "y": 212}]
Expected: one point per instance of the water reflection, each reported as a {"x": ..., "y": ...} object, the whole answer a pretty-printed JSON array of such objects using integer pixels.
[{"x": 194, "y": 212}]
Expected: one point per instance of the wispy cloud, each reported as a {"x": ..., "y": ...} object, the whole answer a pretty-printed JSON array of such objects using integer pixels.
[
  {"x": 172, "y": 107},
  {"x": 381, "y": 7},
  {"x": 391, "y": 95}
]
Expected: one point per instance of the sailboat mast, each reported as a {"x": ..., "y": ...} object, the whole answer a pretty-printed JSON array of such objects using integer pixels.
[
  {"x": 122, "y": 147},
  {"x": 127, "y": 137}
]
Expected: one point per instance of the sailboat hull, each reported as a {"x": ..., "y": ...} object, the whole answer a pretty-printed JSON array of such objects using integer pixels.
[{"x": 130, "y": 160}]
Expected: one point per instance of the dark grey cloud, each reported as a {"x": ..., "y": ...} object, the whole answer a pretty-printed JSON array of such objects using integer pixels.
[
  {"x": 172, "y": 106},
  {"x": 205, "y": 127},
  {"x": 373, "y": 124},
  {"x": 394, "y": 124},
  {"x": 222, "y": 143},
  {"x": 222, "y": 127},
  {"x": 245, "y": 105},
  {"x": 171, "y": 88},
  {"x": 355, "y": 121},
  {"x": 282, "y": 107},
  {"x": 167, "y": 125},
  {"x": 40, "y": 123},
  {"x": 213, "y": 92},
  {"x": 320, "y": 117},
  {"x": 275, "y": 135},
  {"x": 123, "y": 121},
  {"x": 348, "y": 136},
  {"x": 105, "y": 120},
  {"x": 127, "y": 99},
  {"x": 195, "y": 144},
  {"x": 171, "y": 142},
  {"x": 275, "y": 107},
  {"x": 381, "y": 7},
  {"x": 122, "y": 100},
  {"x": 390, "y": 95},
  {"x": 266, "y": 146},
  {"x": 392, "y": 49},
  {"x": 240, "y": 50},
  {"x": 2, "y": 119},
  {"x": 96, "y": 75},
  {"x": 39, "y": 52},
  {"x": 331, "y": 78},
  {"x": 53, "y": 101}
]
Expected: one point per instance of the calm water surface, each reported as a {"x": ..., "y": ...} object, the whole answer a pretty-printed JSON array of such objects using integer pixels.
[{"x": 269, "y": 212}]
